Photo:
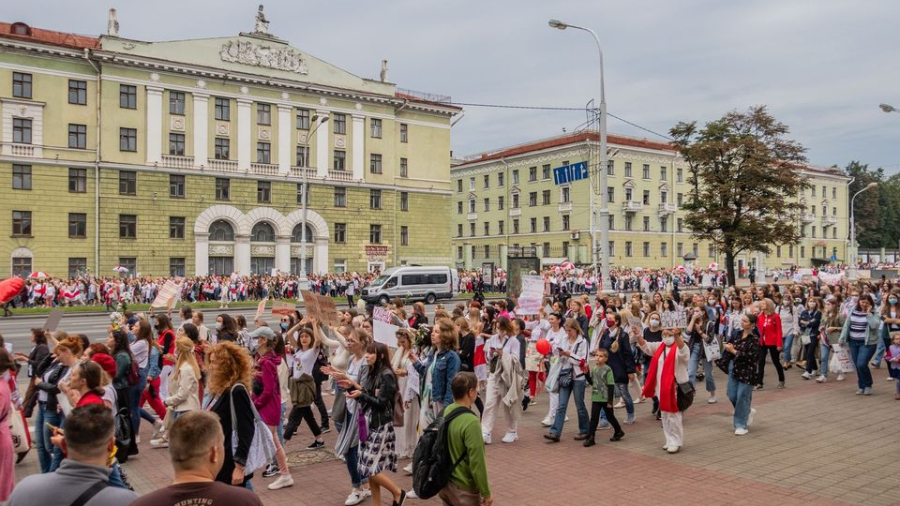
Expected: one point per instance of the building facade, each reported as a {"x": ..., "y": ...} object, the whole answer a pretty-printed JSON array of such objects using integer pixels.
[
  {"x": 189, "y": 157},
  {"x": 511, "y": 199}
]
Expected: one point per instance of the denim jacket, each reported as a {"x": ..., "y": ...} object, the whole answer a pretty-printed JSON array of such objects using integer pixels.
[{"x": 445, "y": 369}]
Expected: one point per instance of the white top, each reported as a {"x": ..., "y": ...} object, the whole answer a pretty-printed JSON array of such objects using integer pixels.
[
  {"x": 510, "y": 347},
  {"x": 578, "y": 350},
  {"x": 681, "y": 362},
  {"x": 141, "y": 351},
  {"x": 109, "y": 396},
  {"x": 304, "y": 361},
  {"x": 353, "y": 369}
]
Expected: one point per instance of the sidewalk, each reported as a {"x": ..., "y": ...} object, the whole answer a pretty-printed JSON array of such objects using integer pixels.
[{"x": 810, "y": 444}]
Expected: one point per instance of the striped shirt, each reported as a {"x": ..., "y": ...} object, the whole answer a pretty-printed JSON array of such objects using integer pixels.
[{"x": 858, "y": 324}]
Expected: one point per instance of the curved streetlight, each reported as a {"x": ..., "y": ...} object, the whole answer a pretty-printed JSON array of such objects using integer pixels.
[
  {"x": 304, "y": 196},
  {"x": 852, "y": 273},
  {"x": 603, "y": 213}
]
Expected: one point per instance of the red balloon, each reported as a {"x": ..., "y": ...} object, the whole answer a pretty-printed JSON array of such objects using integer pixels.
[
  {"x": 543, "y": 346},
  {"x": 9, "y": 288}
]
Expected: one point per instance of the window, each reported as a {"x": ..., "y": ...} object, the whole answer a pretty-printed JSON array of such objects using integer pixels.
[
  {"x": 664, "y": 249},
  {"x": 628, "y": 250},
  {"x": 515, "y": 177},
  {"x": 176, "y": 103},
  {"x": 532, "y": 174},
  {"x": 813, "y": 232},
  {"x": 302, "y": 156},
  {"x": 404, "y": 236},
  {"x": 712, "y": 251},
  {"x": 612, "y": 222},
  {"x": 834, "y": 211},
  {"x": 646, "y": 223},
  {"x": 545, "y": 171},
  {"x": 21, "y": 131},
  {"x": 813, "y": 188},
  {"x": 127, "y": 226},
  {"x": 128, "y": 139},
  {"x": 459, "y": 207},
  {"x": 834, "y": 192},
  {"x": 778, "y": 251},
  {"x": 176, "y": 227},
  {"x": 612, "y": 248},
  {"x": 263, "y": 114},
  {"x": 223, "y": 188},
  {"x": 300, "y": 194},
  {"x": 221, "y": 230},
  {"x": 223, "y": 149},
  {"x": 500, "y": 203},
  {"x": 459, "y": 252},
  {"x": 375, "y": 128},
  {"x": 646, "y": 172},
  {"x": 77, "y": 136},
  {"x": 802, "y": 251},
  {"x": 545, "y": 197},
  {"x": 487, "y": 228},
  {"x": 627, "y": 194},
  {"x": 532, "y": 199},
  {"x": 340, "y": 123},
  {"x": 404, "y": 169},
  {"x": 515, "y": 200},
  {"x": 546, "y": 223},
  {"x": 833, "y": 233},
  {"x": 680, "y": 249},
  {"x": 176, "y": 186},
  {"x": 127, "y": 96},
  {"x": 696, "y": 249},
  {"x": 628, "y": 222},
  {"x": 824, "y": 192},
  {"x": 515, "y": 226},
  {"x": 679, "y": 199},
  {"x": 127, "y": 182},
  {"x": 472, "y": 205},
  {"x": 262, "y": 232},
  {"x": 77, "y": 267},
  {"x": 176, "y": 266},
  {"x": 646, "y": 198},
  {"x": 472, "y": 229},
  {"x": 610, "y": 194},
  {"x": 565, "y": 194},
  {"x": 223, "y": 109},
  {"x": 646, "y": 249},
  {"x": 680, "y": 175},
  {"x": 404, "y": 132},
  {"x": 500, "y": 180},
  {"x": 610, "y": 168},
  {"x": 375, "y": 199},
  {"x": 565, "y": 222},
  {"x": 663, "y": 197},
  {"x": 404, "y": 201},
  {"x": 21, "y": 177},
  {"x": 77, "y": 180},
  {"x": 375, "y": 234},
  {"x": 663, "y": 174},
  {"x": 21, "y": 85},
  {"x": 340, "y": 232},
  {"x": 664, "y": 224},
  {"x": 487, "y": 181},
  {"x": 487, "y": 205},
  {"x": 263, "y": 152},
  {"x": 263, "y": 192},
  {"x": 472, "y": 183},
  {"x": 129, "y": 263},
  {"x": 627, "y": 169},
  {"x": 303, "y": 118},
  {"x": 458, "y": 185},
  {"x": 77, "y": 92},
  {"x": 340, "y": 159},
  {"x": 459, "y": 230},
  {"x": 176, "y": 144},
  {"x": 791, "y": 250},
  {"x": 77, "y": 225},
  {"x": 501, "y": 226},
  {"x": 533, "y": 225},
  {"x": 375, "y": 164}
]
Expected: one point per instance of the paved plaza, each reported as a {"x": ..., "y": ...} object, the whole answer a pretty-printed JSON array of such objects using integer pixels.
[{"x": 810, "y": 444}]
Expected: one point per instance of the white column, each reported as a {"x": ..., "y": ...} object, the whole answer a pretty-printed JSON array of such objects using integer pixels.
[
  {"x": 154, "y": 124},
  {"x": 320, "y": 257},
  {"x": 242, "y": 254},
  {"x": 201, "y": 129},
  {"x": 285, "y": 128},
  {"x": 322, "y": 145},
  {"x": 359, "y": 134},
  {"x": 243, "y": 141},
  {"x": 201, "y": 254},
  {"x": 283, "y": 253}
]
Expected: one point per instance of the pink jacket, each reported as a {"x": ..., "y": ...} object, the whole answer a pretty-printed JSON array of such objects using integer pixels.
[{"x": 268, "y": 403}]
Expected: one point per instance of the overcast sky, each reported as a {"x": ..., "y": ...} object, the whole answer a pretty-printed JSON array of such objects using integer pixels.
[{"x": 822, "y": 66}]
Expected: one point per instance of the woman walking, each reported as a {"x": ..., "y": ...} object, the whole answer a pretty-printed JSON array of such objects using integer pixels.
[
  {"x": 554, "y": 334},
  {"x": 166, "y": 339},
  {"x": 117, "y": 342},
  {"x": 702, "y": 332},
  {"x": 302, "y": 388},
  {"x": 861, "y": 332},
  {"x": 621, "y": 359},
  {"x": 667, "y": 369},
  {"x": 185, "y": 385},
  {"x": 441, "y": 365},
  {"x": 267, "y": 398},
  {"x": 572, "y": 352},
  {"x": 809, "y": 323},
  {"x": 832, "y": 324},
  {"x": 771, "y": 341},
  {"x": 7, "y": 410},
  {"x": 505, "y": 383},
  {"x": 745, "y": 348},
  {"x": 140, "y": 349},
  {"x": 401, "y": 362}
]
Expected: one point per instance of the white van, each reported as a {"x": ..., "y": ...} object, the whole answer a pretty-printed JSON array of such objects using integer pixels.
[{"x": 413, "y": 283}]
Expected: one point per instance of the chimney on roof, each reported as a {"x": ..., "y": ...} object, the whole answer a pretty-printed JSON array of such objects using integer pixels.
[
  {"x": 384, "y": 70},
  {"x": 112, "y": 25}
]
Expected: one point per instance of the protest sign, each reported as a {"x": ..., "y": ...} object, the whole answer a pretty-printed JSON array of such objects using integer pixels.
[
  {"x": 282, "y": 308},
  {"x": 53, "y": 320},
  {"x": 532, "y": 293},
  {"x": 831, "y": 279},
  {"x": 383, "y": 330},
  {"x": 328, "y": 311},
  {"x": 168, "y": 294},
  {"x": 310, "y": 303},
  {"x": 673, "y": 319}
]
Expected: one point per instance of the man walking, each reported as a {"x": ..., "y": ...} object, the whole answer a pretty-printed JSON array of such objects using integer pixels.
[{"x": 468, "y": 485}]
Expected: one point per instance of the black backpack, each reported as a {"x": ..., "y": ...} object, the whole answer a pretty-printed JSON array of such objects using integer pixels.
[{"x": 431, "y": 461}]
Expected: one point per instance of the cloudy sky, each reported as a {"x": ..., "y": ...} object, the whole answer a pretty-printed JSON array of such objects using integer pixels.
[{"x": 822, "y": 66}]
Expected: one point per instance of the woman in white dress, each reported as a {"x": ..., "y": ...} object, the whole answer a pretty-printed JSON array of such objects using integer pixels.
[{"x": 408, "y": 435}]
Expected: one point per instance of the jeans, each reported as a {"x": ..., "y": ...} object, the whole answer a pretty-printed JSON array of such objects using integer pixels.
[
  {"x": 249, "y": 485},
  {"x": 352, "y": 460},
  {"x": 861, "y": 354},
  {"x": 694, "y": 364},
  {"x": 786, "y": 351},
  {"x": 578, "y": 387},
  {"x": 881, "y": 348},
  {"x": 280, "y": 429},
  {"x": 740, "y": 394},
  {"x": 826, "y": 351},
  {"x": 135, "y": 393},
  {"x": 42, "y": 444},
  {"x": 115, "y": 476}
]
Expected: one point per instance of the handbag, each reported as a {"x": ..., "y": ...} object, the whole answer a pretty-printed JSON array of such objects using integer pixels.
[
  {"x": 123, "y": 434},
  {"x": 712, "y": 350},
  {"x": 566, "y": 379},
  {"x": 804, "y": 338},
  {"x": 262, "y": 447},
  {"x": 552, "y": 382},
  {"x": 684, "y": 395},
  {"x": 21, "y": 438}
]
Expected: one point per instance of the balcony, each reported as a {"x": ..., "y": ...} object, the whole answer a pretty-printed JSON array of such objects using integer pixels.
[
  {"x": 340, "y": 175},
  {"x": 632, "y": 206},
  {"x": 264, "y": 169},
  {"x": 829, "y": 221},
  {"x": 807, "y": 217},
  {"x": 178, "y": 162},
  {"x": 666, "y": 209},
  {"x": 565, "y": 207},
  {"x": 472, "y": 216},
  {"x": 299, "y": 171},
  {"x": 515, "y": 211},
  {"x": 223, "y": 165},
  {"x": 25, "y": 150}
]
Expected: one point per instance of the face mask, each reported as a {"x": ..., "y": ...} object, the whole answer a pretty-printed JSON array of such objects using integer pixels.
[
  {"x": 654, "y": 323},
  {"x": 218, "y": 325},
  {"x": 892, "y": 300},
  {"x": 669, "y": 340},
  {"x": 284, "y": 326},
  {"x": 712, "y": 302},
  {"x": 811, "y": 306},
  {"x": 610, "y": 322}
]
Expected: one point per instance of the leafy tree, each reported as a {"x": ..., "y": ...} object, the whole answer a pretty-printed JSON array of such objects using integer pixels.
[
  {"x": 868, "y": 205},
  {"x": 746, "y": 182}
]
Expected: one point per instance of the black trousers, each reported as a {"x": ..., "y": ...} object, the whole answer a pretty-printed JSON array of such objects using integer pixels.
[
  {"x": 298, "y": 414},
  {"x": 320, "y": 404},
  {"x": 350, "y": 300},
  {"x": 596, "y": 407},
  {"x": 810, "y": 352},
  {"x": 773, "y": 352}
]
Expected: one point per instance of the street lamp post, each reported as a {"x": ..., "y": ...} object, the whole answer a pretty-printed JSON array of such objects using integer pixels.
[
  {"x": 304, "y": 196},
  {"x": 852, "y": 273},
  {"x": 603, "y": 213}
]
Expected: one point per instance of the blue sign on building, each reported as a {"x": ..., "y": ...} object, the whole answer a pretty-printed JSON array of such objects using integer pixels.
[{"x": 570, "y": 173}]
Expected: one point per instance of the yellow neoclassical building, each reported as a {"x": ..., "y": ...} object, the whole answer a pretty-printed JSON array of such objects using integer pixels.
[
  {"x": 188, "y": 157},
  {"x": 509, "y": 199}
]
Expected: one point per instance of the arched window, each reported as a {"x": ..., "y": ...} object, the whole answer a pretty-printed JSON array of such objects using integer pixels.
[
  {"x": 296, "y": 235},
  {"x": 221, "y": 230},
  {"x": 262, "y": 232}
]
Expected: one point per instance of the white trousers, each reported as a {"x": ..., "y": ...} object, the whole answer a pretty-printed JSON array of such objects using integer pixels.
[
  {"x": 554, "y": 405},
  {"x": 164, "y": 376},
  {"x": 408, "y": 435},
  {"x": 673, "y": 429},
  {"x": 492, "y": 403}
]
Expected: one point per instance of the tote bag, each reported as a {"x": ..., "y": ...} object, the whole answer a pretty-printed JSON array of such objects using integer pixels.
[
  {"x": 712, "y": 350},
  {"x": 18, "y": 429},
  {"x": 552, "y": 383},
  {"x": 262, "y": 447}
]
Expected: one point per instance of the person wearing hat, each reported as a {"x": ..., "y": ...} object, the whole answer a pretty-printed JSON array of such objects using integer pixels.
[{"x": 268, "y": 398}]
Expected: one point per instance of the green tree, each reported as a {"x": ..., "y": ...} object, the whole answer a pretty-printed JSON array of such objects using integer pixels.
[
  {"x": 745, "y": 181},
  {"x": 868, "y": 205}
]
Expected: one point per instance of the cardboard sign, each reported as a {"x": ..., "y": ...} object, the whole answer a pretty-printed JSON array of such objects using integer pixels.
[
  {"x": 310, "y": 303},
  {"x": 53, "y": 320},
  {"x": 383, "y": 330},
  {"x": 282, "y": 308},
  {"x": 532, "y": 293},
  {"x": 168, "y": 295},
  {"x": 673, "y": 319},
  {"x": 320, "y": 308}
]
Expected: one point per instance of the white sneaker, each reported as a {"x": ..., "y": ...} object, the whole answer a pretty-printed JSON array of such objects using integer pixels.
[
  {"x": 354, "y": 498},
  {"x": 666, "y": 447},
  {"x": 806, "y": 375},
  {"x": 510, "y": 437},
  {"x": 740, "y": 432},
  {"x": 750, "y": 418},
  {"x": 159, "y": 443},
  {"x": 283, "y": 481},
  {"x": 487, "y": 438},
  {"x": 547, "y": 421},
  {"x": 366, "y": 492},
  {"x": 712, "y": 399},
  {"x": 411, "y": 494},
  {"x": 408, "y": 468},
  {"x": 620, "y": 404},
  {"x": 137, "y": 439},
  {"x": 673, "y": 449},
  {"x": 840, "y": 377},
  {"x": 158, "y": 428},
  {"x": 821, "y": 379}
]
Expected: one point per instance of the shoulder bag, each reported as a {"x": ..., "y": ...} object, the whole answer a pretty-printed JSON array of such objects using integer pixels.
[{"x": 262, "y": 447}]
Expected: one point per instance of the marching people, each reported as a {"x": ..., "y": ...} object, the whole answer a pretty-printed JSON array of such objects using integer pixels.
[
  {"x": 602, "y": 387},
  {"x": 302, "y": 388},
  {"x": 468, "y": 483},
  {"x": 743, "y": 350},
  {"x": 861, "y": 332},
  {"x": 401, "y": 363},
  {"x": 50, "y": 372},
  {"x": 832, "y": 324},
  {"x": 621, "y": 359},
  {"x": 668, "y": 369},
  {"x": 267, "y": 398},
  {"x": 809, "y": 323},
  {"x": 185, "y": 385},
  {"x": 7, "y": 411},
  {"x": 701, "y": 332},
  {"x": 505, "y": 382},
  {"x": 572, "y": 353},
  {"x": 439, "y": 367},
  {"x": 771, "y": 341}
]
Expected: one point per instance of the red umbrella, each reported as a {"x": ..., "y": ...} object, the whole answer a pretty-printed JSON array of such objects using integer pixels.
[
  {"x": 38, "y": 275},
  {"x": 9, "y": 288}
]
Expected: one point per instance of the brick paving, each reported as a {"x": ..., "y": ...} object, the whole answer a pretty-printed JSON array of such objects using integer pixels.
[{"x": 810, "y": 443}]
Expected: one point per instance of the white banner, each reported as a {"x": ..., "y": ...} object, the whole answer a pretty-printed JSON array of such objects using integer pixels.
[
  {"x": 531, "y": 296},
  {"x": 831, "y": 279},
  {"x": 383, "y": 330}
]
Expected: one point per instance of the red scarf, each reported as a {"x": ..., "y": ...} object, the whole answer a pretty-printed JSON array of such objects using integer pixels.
[{"x": 667, "y": 399}]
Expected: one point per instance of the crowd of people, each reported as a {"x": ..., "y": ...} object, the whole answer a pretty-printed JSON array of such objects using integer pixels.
[{"x": 258, "y": 383}]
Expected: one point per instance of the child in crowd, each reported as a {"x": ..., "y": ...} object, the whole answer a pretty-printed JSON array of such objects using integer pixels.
[
  {"x": 893, "y": 359},
  {"x": 603, "y": 385}
]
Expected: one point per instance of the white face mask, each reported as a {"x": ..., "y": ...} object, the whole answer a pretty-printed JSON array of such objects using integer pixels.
[
  {"x": 654, "y": 323},
  {"x": 669, "y": 340}
]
